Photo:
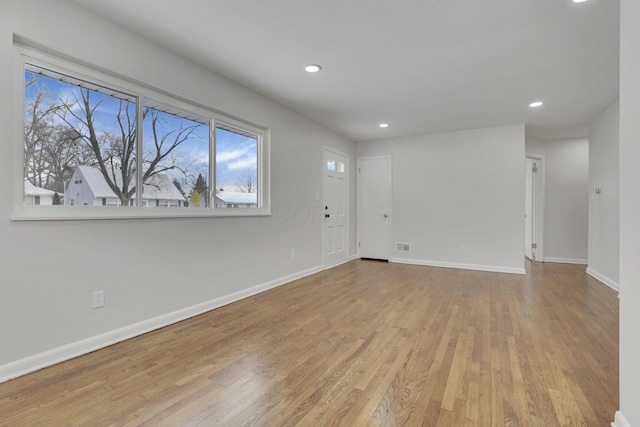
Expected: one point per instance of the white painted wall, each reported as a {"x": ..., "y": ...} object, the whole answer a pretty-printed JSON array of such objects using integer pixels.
[
  {"x": 629, "y": 215},
  {"x": 604, "y": 212},
  {"x": 566, "y": 200},
  {"x": 148, "y": 269},
  {"x": 534, "y": 146},
  {"x": 458, "y": 188}
]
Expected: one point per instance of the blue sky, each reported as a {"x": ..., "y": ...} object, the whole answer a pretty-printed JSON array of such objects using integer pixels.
[{"x": 236, "y": 154}]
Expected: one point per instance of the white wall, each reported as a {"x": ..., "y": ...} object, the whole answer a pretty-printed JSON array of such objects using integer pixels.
[
  {"x": 566, "y": 200},
  {"x": 534, "y": 146},
  {"x": 604, "y": 212},
  {"x": 458, "y": 188},
  {"x": 152, "y": 271},
  {"x": 629, "y": 215}
]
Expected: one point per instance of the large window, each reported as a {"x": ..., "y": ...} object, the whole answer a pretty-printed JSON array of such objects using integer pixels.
[{"x": 89, "y": 139}]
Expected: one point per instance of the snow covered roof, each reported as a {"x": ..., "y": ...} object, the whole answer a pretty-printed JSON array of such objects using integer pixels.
[
  {"x": 237, "y": 197},
  {"x": 160, "y": 186},
  {"x": 32, "y": 190},
  {"x": 94, "y": 179}
]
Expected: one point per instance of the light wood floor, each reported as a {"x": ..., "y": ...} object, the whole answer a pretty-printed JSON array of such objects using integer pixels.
[{"x": 367, "y": 343}]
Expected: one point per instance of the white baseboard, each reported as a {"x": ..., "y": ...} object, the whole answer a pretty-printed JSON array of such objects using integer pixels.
[
  {"x": 566, "y": 260},
  {"x": 60, "y": 354},
  {"x": 620, "y": 421},
  {"x": 604, "y": 279},
  {"x": 478, "y": 267},
  {"x": 349, "y": 259}
]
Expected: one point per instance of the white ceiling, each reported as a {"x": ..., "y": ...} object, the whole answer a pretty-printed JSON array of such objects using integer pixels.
[{"x": 423, "y": 66}]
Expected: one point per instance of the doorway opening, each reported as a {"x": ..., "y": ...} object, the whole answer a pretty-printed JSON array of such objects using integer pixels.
[{"x": 534, "y": 207}]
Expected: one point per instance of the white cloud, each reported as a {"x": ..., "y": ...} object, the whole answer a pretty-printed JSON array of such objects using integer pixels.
[
  {"x": 243, "y": 164},
  {"x": 229, "y": 155},
  {"x": 199, "y": 158}
]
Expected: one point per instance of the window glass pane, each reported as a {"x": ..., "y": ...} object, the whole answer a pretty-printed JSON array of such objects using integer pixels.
[
  {"x": 340, "y": 167},
  {"x": 176, "y": 160},
  {"x": 236, "y": 168},
  {"x": 79, "y": 142},
  {"x": 331, "y": 165}
]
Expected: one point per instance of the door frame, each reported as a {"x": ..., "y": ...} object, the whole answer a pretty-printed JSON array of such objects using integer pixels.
[
  {"x": 389, "y": 159},
  {"x": 539, "y": 205},
  {"x": 530, "y": 208},
  {"x": 346, "y": 204}
]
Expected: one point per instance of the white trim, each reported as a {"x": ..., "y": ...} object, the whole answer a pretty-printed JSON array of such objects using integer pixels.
[
  {"x": 566, "y": 260},
  {"x": 620, "y": 421},
  {"x": 604, "y": 279},
  {"x": 60, "y": 354},
  {"x": 477, "y": 267},
  {"x": 349, "y": 259},
  {"x": 540, "y": 197},
  {"x": 78, "y": 213},
  {"x": 353, "y": 256}
]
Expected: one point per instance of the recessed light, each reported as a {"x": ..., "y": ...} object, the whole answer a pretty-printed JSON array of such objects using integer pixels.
[
  {"x": 384, "y": 125},
  {"x": 536, "y": 104},
  {"x": 579, "y": 1},
  {"x": 312, "y": 68}
]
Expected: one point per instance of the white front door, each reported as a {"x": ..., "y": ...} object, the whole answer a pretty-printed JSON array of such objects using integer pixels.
[
  {"x": 335, "y": 207},
  {"x": 374, "y": 207}
]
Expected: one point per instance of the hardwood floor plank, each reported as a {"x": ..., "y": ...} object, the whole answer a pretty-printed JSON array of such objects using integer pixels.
[{"x": 366, "y": 343}]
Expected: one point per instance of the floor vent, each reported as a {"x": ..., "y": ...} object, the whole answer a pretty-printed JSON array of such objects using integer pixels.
[{"x": 403, "y": 247}]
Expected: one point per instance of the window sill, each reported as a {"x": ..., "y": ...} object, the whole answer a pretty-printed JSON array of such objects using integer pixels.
[{"x": 58, "y": 213}]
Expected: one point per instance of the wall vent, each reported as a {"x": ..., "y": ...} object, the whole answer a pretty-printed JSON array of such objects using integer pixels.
[{"x": 403, "y": 247}]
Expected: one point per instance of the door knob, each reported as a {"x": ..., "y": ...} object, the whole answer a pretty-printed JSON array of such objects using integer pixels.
[{"x": 327, "y": 215}]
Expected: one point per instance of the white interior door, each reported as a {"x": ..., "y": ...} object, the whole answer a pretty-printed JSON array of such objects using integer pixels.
[
  {"x": 530, "y": 209},
  {"x": 335, "y": 208},
  {"x": 374, "y": 207}
]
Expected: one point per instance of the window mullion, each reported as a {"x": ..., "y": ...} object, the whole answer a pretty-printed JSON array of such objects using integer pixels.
[
  {"x": 259, "y": 178},
  {"x": 212, "y": 164},
  {"x": 139, "y": 150}
]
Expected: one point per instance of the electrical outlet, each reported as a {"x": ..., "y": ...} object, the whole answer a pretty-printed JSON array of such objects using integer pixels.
[
  {"x": 98, "y": 299},
  {"x": 293, "y": 255}
]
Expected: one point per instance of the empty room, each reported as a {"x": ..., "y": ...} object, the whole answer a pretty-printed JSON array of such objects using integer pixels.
[{"x": 351, "y": 213}]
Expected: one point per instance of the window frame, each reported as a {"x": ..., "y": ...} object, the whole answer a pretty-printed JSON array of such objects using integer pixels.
[{"x": 144, "y": 95}]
